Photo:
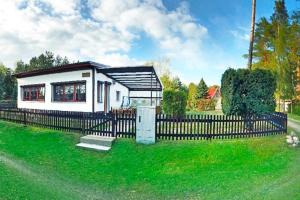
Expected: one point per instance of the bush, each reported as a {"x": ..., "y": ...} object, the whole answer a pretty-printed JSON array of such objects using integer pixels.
[
  {"x": 246, "y": 92},
  {"x": 205, "y": 104},
  {"x": 174, "y": 102},
  {"x": 294, "y": 108}
]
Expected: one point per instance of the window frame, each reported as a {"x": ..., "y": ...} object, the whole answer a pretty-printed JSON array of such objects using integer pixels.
[
  {"x": 37, "y": 87},
  {"x": 73, "y": 84}
]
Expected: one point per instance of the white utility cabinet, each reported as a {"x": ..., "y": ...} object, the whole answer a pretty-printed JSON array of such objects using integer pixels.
[{"x": 145, "y": 124}]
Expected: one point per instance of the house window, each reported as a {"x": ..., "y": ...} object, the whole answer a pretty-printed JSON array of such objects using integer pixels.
[
  {"x": 100, "y": 92},
  {"x": 69, "y": 92},
  {"x": 118, "y": 95},
  {"x": 33, "y": 92}
]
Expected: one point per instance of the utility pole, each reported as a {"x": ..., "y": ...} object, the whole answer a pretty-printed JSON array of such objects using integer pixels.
[{"x": 252, "y": 34}]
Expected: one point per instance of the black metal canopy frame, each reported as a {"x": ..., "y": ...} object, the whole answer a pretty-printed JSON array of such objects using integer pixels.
[{"x": 138, "y": 78}]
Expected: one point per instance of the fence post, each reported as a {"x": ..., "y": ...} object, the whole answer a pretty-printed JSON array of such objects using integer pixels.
[
  {"x": 24, "y": 118},
  {"x": 113, "y": 116}
]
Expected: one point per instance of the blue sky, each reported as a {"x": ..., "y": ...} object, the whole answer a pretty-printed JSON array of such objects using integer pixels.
[{"x": 200, "y": 38}]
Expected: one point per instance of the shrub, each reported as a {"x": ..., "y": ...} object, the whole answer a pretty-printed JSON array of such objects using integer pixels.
[
  {"x": 246, "y": 92},
  {"x": 205, "y": 104},
  {"x": 174, "y": 102}
]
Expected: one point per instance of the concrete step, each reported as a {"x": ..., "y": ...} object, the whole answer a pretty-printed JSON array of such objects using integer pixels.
[
  {"x": 93, "y": 147},
  {"x": 97, "y": 140}
]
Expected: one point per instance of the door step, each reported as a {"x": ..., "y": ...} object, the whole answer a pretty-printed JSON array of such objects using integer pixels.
[
  {"x": 93, "y": 147},
  {"x": 95, "y": 142}
]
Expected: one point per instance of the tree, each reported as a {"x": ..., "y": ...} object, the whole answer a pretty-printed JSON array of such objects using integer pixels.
[
  {"x": 276, "y": 48},
  {"x": 202, "y": 90},
  {"x": 8, "y": 84},
  {"x": 192, "y": 92},
  {"x": 252, "y": 33},
  {"x": 43, "y": 61}
]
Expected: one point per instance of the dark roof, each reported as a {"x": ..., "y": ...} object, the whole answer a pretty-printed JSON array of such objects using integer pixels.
[
  {"x": 135, "y": 78},
  {"x": 62, "y": 68}
]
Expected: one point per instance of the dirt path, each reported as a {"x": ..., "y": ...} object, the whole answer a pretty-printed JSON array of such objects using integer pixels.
[{"x": 294, "y": 124}]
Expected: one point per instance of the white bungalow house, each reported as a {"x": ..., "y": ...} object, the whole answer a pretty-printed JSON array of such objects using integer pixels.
[{"x": 88, "y": 87}]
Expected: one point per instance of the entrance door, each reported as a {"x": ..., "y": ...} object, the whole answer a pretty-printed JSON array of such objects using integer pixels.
[{"x": 106, "y": 97}]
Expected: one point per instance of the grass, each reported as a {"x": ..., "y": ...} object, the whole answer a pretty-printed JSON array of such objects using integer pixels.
[
  {"x": 209, "y": 112},
  {"x": 43, "y": 164}
]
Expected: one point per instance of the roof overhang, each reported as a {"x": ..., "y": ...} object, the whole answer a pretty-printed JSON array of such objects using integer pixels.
[
  {"x": 136, "y": 78},
  {"x": 59, "y": 69}
]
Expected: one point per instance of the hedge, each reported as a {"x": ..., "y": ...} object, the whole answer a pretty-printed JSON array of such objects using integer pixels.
[{"x": 174, "y": 102}]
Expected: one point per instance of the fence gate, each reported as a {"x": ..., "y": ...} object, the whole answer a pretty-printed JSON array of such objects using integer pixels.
[
  {"x": 102, "y": 124},
  {"x": 113, "y": 124}
]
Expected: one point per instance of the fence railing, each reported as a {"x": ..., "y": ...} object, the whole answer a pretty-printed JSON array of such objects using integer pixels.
[
  {"x": 104, "y": 124},
  {"x": 123, "y": 124},
  {"x": 219, "y": 126},
  {"x": 8, "y": 104}
]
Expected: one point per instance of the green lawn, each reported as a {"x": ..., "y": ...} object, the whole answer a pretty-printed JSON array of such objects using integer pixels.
[
  {"x": 208, "y": 112},
  {"x": 43, "y": 164}
]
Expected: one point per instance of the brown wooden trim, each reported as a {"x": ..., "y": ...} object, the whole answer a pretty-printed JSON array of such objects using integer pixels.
[{"x": 59, "y": 69}]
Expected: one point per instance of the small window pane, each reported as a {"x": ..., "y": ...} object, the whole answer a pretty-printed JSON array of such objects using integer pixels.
[
  {"x": 58, "y": 93},
  {"x": 33, "y": 94},
  {"x": 80, "y": 92},
  {"x": 41, "y": 93},
  {"x": 69, "y": 92}
]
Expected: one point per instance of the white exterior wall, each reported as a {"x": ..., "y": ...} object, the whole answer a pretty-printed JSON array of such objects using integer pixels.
[
  {"x": 87, "y": 106},
  {"x": 53, "y": 78},
  {"x": 145, "y": 94},
  {"x": 113, "y": 89}
]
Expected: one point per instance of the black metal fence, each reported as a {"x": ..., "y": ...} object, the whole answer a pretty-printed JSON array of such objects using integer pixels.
[{"x": 219, "y": 126}]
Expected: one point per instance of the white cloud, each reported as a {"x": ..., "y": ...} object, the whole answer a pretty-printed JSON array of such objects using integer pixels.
[{"x": 29, "y": 27}]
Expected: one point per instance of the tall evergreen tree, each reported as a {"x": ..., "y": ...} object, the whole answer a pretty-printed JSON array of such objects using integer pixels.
[
  {"x": 202, "y": 90},
  {"x": 276, "y": 48}
]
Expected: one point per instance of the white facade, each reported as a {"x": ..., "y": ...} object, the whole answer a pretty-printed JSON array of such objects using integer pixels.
[
  {"x": 114, "y": 87},
  {"x": 74, "y": 76},
  {"x": 48, "y": 104},
  {"x": 86, "y": 106}
]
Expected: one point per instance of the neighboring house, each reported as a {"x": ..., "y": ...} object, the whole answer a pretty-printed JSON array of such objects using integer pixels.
[
  {"x": 87, "y": 87},
  {"x": 214, "y": 92}
]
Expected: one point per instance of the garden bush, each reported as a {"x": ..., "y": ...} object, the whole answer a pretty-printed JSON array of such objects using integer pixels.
[
  {"x": 205, "y": 104},
  {"x": 246, "y": 92},
  {"x": 174, "y": 102}
]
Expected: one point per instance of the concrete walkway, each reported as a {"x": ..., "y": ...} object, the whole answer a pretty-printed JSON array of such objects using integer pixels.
[{"x": 294, "y": 124}]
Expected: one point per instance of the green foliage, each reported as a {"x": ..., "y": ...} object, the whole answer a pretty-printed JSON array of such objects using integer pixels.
[
  {"x": 205, "y": 104},
  {"x": 192, "y": 94},
  {"x": 246, "y": 92},
  {"x": 201, "y": 90},
  {"x": 43, "y": 61},
  {"x": 174, "y": 102},
  {"x": 8, "y": 84},
  {"x": 277, "y": 48}
]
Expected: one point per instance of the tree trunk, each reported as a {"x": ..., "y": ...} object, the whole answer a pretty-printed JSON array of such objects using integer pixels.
[{"x": 252, "y": 34}]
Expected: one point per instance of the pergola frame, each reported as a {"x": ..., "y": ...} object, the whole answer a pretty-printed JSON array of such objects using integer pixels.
[{"x": 138, "y": 78}]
